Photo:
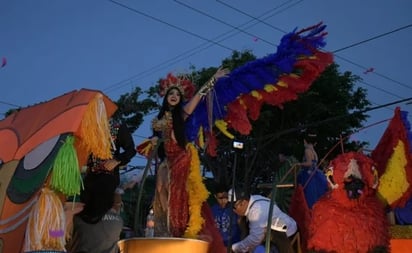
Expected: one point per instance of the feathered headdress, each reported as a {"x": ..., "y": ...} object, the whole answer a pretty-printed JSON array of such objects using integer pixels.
[{"x": 182, "y": 83}]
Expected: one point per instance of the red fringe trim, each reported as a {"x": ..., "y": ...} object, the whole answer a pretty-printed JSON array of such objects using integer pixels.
[
  {"x": 308, "y": 68},
  {"x": 211, "y": 144}
]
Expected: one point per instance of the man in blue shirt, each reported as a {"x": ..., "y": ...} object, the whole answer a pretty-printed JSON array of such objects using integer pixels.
[{"x": 224, "y": 216}]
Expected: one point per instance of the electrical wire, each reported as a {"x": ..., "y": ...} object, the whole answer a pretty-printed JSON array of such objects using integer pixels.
[
  {"x": 373, "y": 38},
  {"x": 197, "y": 49},
  {"x": 191, "y": 52}
]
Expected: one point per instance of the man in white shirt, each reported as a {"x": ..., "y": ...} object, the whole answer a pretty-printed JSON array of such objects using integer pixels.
[{"x": 256, "y": 210}]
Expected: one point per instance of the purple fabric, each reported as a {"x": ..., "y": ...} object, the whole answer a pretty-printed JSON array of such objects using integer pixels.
[{"x": 404, "y": 214}]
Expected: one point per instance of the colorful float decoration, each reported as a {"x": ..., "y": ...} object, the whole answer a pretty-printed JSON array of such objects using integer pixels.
[
  {"x": 353, "y": 215},
  {"x": 42, "y": 148}
]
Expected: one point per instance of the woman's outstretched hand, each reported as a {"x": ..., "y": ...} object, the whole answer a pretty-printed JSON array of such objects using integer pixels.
[
  {"x": 209, "y": 85},
  {"x": 221, "y": 72}
]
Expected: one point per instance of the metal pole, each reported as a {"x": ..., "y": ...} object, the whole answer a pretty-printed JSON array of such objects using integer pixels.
[
  {"x": 269, "y": 223},
  {"x": 232, "y": 198},
  {"x": 137, "y": 215}
]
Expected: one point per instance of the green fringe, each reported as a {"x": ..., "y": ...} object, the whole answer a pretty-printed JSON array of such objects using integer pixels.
[{"x": 66, "y": 176}]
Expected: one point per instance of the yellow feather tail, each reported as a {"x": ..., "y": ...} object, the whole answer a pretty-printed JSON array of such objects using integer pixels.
[{"x": 197, "y": 195}]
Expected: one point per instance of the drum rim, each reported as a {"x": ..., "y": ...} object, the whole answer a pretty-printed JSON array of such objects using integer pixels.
[{"x": 162, "y": 238}]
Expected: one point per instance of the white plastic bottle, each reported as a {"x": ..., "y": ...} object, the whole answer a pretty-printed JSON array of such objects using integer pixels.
[{"x": 150, "y": 223}]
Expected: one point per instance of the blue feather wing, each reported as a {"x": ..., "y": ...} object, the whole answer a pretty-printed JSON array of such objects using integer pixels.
[{"x": 254, "y": 75}]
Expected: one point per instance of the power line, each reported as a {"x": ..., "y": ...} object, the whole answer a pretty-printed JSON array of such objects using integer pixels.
[
  {"x": 370, "y": 39},
  {"x": 190, "y": 52},
  {"x": 373, "y": 38},
  {"x": 374, "y": 72},
  {"x": 380, "y": 89},
  {"x": 210, "y": 41},
  {"x": 223, "y": 22},
  {"x": 10, "y": 104},
  {"x": 274, "y": 136},
  {"x": 341, "y": 49},
  {"x": 171, "y": 25},
  {"x": 261, "y": 20},
  {"x": 197, "y": 49},
  {"x": 387, "y": 108}
]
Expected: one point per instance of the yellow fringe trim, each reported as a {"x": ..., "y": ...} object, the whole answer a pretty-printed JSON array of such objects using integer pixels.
[
  {"x": 270, "y": 88},
  {"x": 197, "y": 195},
  {"x": 81, "y": 151},
  {"x": 149, "y": 147},
  {"x": 256, "y": 94},
  {"x": 242, "y": 103},
  {"x": 222, "y": 126},
  {"x": 294, "y": 76},
  {"x": 282, "y": 84},
  {"x": 393, "y": 183},
  {"x": 95, "y": 129},
  {"x": 46, "y": 225},
  {"x": 201, "y": 138}
]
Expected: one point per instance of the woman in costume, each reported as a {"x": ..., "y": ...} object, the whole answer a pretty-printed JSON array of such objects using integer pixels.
[
  {"x": 180, "y": 196},
  {"x": 310, "y": 177}
]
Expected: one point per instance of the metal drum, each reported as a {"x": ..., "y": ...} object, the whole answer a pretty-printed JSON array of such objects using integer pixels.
[{"x": 162, "y": 245}]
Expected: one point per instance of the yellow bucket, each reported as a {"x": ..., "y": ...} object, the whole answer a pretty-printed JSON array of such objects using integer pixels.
[{"x": 162, "y": 245}]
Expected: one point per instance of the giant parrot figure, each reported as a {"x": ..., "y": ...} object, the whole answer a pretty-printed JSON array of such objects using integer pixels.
[{"x": 350, "y": 217}]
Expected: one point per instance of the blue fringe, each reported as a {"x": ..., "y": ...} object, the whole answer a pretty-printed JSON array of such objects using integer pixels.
[{"x": 407, "y": 125}]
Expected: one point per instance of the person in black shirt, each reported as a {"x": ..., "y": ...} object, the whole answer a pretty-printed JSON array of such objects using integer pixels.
[{"x": 123, "y": 151}]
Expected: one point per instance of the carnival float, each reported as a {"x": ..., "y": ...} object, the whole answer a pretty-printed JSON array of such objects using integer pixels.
[{"x": 43, "y": 148}]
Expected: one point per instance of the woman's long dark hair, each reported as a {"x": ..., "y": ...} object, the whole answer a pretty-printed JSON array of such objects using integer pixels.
[{"x": 178, "y": 122}]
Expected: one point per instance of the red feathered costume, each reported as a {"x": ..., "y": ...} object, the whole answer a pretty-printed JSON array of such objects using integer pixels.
[{"x": 350, "y": 218}]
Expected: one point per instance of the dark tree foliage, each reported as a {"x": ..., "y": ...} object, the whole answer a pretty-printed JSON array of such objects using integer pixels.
[
  {"x": 327, "y": 108},
  {"x": 11, "y": 111},
  {"x": 131, "y": 110}
]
